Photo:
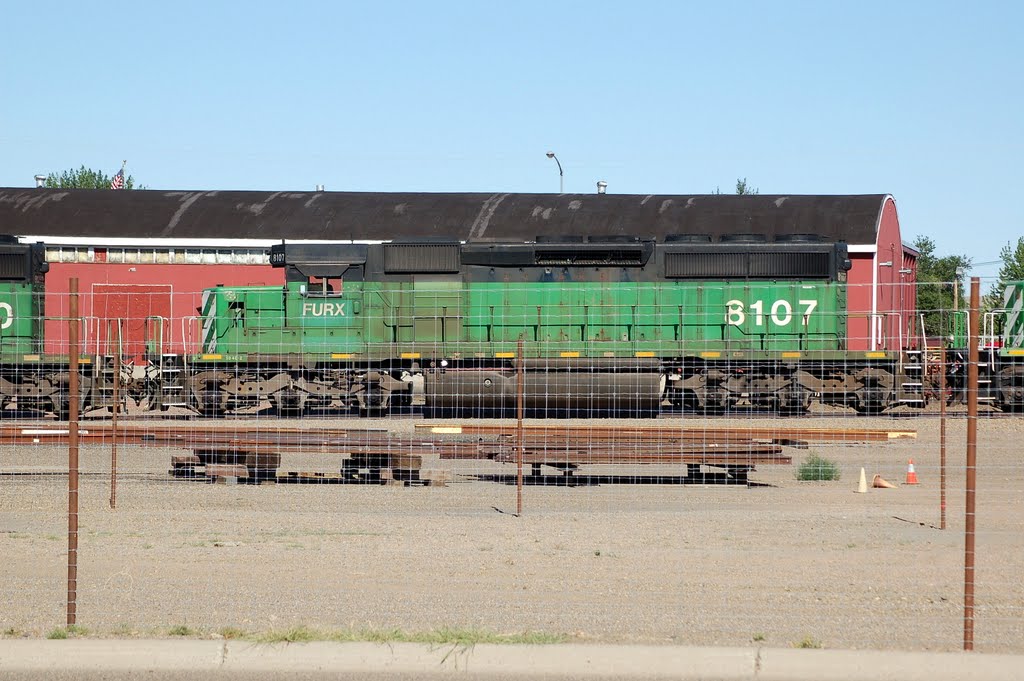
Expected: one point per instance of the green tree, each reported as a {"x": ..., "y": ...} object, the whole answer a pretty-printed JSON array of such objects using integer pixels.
[
  {"x": 1012, "y": 269},
  {"x": 937, "y": 279},
  {"x": 742, "y": 188},
  {"x": 84, "y": 178}
]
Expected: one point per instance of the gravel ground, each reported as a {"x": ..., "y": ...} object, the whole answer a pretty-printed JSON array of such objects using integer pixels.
[{"x": 780, "y": 562}]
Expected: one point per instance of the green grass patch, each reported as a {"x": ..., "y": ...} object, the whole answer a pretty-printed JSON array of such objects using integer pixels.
[
  {"x": 231, "y": 633},
  {"x": 299, "y": 634},
  {"x": 456, "y": 636},
  {"x": 818, "y": 468},
  {"x": 182, "y": 630},
  {"x": 62, "y": 633},
  {"x": 808, "y": 643}
]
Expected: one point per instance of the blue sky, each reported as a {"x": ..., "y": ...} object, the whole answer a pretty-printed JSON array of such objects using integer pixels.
[{"x": 922, "y": 100}]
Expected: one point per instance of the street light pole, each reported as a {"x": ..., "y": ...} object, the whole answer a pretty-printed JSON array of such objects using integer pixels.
[{"x": 561, "y": 175}]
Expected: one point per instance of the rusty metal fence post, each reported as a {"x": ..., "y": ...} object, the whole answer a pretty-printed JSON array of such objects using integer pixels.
[
  {"x": 73, "y": 390},
  {"x": 972, "y": 462},
  {"x": 115, "y": 407},
  {"x": 942, "y": 437},
  {"x": 520, "y": 383}
]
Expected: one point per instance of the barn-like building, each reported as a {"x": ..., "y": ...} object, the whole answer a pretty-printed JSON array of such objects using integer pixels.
[{"x": 150, "y": 253}]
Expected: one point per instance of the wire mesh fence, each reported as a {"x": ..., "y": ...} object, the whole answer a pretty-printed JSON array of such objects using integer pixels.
[{"x": 720, "y": 465}]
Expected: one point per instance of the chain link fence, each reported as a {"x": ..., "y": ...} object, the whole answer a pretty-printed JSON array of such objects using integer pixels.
[{"x": 731, "y": 466}]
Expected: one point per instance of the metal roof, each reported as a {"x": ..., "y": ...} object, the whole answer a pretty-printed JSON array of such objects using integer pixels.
[{"x": 382, "y": 216}]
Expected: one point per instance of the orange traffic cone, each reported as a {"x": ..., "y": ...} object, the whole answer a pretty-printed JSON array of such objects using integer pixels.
[
  {"x": 911, "y": 473},
  {"x": 881, "y": 483}
]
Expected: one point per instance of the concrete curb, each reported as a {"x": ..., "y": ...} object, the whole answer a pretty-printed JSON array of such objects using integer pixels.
[{"x": 577, "y": 660}]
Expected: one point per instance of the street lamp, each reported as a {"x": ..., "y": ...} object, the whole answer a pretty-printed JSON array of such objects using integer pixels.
[{"x": 561, "y": 175}]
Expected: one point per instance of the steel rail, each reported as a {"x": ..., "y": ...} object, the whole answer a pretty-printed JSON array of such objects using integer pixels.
[{"x": 654, "y": 433}]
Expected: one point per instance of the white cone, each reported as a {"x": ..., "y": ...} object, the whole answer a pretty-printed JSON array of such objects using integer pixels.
[{"x": 862, "y": 486}]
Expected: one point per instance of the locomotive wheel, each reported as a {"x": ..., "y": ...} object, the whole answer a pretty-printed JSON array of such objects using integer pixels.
[
  {"x": 795, "y": 402},
  {"x": 210, "y": 403}
]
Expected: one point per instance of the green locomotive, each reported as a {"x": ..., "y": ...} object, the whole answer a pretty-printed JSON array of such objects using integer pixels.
[{"x": 607, "y": 327}]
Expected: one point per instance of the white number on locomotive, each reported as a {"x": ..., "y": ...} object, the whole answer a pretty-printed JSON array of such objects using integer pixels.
[
  {"x": 780, "y": 313},
  {"x": 7, "y": 313}
]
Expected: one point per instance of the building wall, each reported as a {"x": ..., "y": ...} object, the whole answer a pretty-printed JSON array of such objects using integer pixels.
[
  {"x": 136, "y": 291},
  {"x": 882, "y": 289},
  {"x": 859, "y": 288}
]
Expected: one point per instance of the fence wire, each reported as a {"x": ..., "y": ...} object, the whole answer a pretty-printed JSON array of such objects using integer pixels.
[{"x": 721, "y": 465}]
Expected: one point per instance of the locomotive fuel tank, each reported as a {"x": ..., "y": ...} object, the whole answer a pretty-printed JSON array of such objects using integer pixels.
[{"x": 551, "y": 387}]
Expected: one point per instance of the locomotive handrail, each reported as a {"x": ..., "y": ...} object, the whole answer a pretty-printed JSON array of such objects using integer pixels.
[
  {"x": 87, "y": 323},
  {"x": 988, "y": 336},
  {"x": 186, "y": 334},
  {"x": 162, "y": 326}
]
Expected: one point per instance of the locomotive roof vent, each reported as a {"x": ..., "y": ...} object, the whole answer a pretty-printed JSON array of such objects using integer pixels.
[
  {"x": 798, "y": 238},
  {"x": 743, "y": 238},
  {"x": 410, "y": 258},
  {"x": 621, "y": 256},
  {"x": 688, "y": 239},
  {"x": 614, "y": 239},
  {"x": 559, "y": 239}
]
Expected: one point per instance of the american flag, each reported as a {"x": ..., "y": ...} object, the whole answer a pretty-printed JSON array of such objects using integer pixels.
[{"x": 118, "y": 181}]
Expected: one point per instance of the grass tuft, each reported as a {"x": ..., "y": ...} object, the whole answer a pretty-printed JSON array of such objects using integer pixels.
[
  {"x": 808, "y": 643},
  {"x": 299, "y": 634},
  {"x": 818, "y": 468},
  {"x": 463, "y": 637},
  {"x": 182, "y": 630},
  {"x": 232, "y": 633}
]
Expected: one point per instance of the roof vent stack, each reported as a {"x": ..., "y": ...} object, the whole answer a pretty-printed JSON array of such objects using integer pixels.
[{"x": 40, "y": 181}]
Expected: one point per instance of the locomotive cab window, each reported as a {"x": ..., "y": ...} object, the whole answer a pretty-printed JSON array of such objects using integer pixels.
[{"x": 323, "y": 287}]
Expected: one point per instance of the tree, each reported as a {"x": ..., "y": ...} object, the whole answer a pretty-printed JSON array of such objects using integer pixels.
[
  {"x": 935, "y": 285},
  {"x": 84, "y": 178},
  {"x": 742, "y": 188},
  {"x": 1012, "y": 269}
]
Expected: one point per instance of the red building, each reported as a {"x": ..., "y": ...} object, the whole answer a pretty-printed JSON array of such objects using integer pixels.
[{"x": 882, "y": 291}]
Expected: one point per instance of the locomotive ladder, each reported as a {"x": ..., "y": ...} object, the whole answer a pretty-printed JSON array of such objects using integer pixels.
[
  {"x": 172, "y": 390},
  {"x": 103, "y": 392},
  {"x": 170, "y": 366},
  {"x": 912, "y": 372},
  {"x": 912, "y": 386}
]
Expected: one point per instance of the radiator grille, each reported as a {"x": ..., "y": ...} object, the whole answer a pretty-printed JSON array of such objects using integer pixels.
[
  {"x": 789, "y": 265},
  {"x": 705, "y": 265},
  {"x": 13, "y": 266},
  {"x": 412, "y": 258},
  {"x": 761, "y": 265}
]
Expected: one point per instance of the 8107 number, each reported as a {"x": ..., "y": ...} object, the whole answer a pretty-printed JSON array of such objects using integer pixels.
[{"x": 780, "y": 313}]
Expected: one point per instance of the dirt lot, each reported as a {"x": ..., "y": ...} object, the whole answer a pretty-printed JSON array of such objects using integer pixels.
[{"x": 695, "y": 564}]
